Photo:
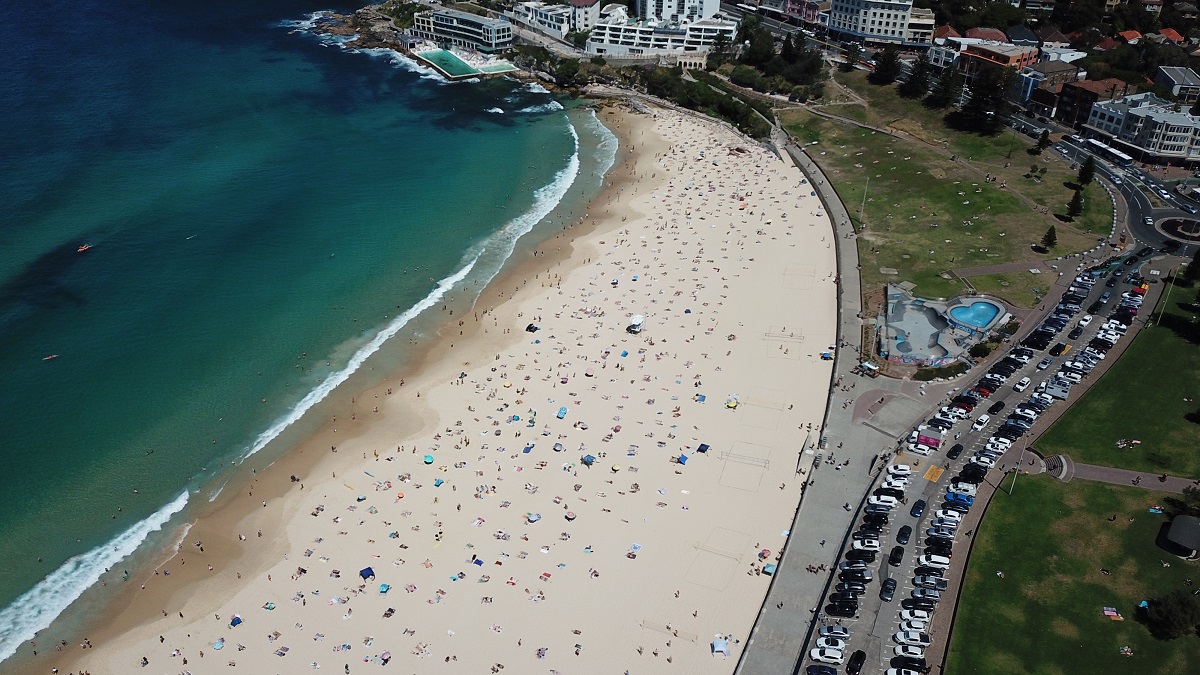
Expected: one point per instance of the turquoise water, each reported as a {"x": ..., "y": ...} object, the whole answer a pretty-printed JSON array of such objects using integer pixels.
[
  {"x": 448, "y": 62},
  {"x": 978, "y": 314},
  {"x": 264, "y": 209}
]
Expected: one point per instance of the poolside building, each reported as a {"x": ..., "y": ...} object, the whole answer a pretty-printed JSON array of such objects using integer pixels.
[{"x": 450, "y": 26}]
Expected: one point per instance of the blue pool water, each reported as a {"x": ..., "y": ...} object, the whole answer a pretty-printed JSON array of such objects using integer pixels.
[{"x": 978, "y": 314}]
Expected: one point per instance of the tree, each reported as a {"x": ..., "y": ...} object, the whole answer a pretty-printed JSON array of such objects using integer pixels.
[
  {"x": 578, "y": 38},
  {"x": 947, "y": 90},
  {"x": 917, "y": 84},
  {"x": 718, "y": 52},
  {"x": 789, "y": 51},
  {"x": 1087, "y": 172},
  {"x": 1174, "y": 615},
  {"x": 985, "y": 109},
  {"x": 980, "y": 350},
  {"x": 1043, "y": 140},
  {"x": 566, "y": 72},
  {"x": 1050, "y": 239},
  {"x": 1075, "y": 206},
  {"x": 887, "y": 67},
  {"x": 853, "y": 53},
  {"x": 1191, "y": 273}
]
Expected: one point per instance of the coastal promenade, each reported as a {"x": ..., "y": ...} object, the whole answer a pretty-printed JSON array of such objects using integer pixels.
[{"x": 860, "y": 428}]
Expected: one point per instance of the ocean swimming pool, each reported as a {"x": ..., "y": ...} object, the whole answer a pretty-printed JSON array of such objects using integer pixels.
[{"x": 978, "y": 314}]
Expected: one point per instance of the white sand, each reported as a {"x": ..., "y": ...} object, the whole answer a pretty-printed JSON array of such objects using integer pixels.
[{"x": 732, "y": 266}]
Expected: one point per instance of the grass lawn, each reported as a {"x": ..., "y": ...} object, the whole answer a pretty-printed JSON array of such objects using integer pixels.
[
  {"x": 1141, "y": 397},
  {"x": 1023, "y": 289},
  {"x": 1045, "y": 616},
  {"x": 923, "y": 214}
]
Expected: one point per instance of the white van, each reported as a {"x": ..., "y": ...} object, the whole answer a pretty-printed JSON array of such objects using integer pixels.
[
  {"x": 935, "y": 561},
  {"x": 636, "y": 324}
]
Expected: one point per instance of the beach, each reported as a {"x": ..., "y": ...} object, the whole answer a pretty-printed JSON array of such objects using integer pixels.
[{"x": 547, "y": 491}]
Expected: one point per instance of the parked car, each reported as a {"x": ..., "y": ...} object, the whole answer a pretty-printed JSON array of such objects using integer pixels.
[
  {"x": 887, "y": 590},
  {"x": 831, "y": 656},
  {"x": 834, "y": 631},
  {"x": 981, "y": 422},
  {"x": 855, "y": 664},
  {"x": 917, "y": 509},
  {"x": 954, "y": 451},
  {"x": 834, "y": 643},
  {"x": 912, "y": 638}
]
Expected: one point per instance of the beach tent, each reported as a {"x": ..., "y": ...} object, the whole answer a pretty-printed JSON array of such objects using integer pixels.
[
  {"x": 367, "y": 573},
  {"x": 683, "y": 458},
  {"x": 588, "y": 460},
  {"x": 703, "y": 447},
  {"x": 720, "y": 647},
  {"x": 237, "y": 621}
]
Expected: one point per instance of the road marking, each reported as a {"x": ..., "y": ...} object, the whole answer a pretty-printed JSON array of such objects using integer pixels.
[{"x": 934, "y": 473}]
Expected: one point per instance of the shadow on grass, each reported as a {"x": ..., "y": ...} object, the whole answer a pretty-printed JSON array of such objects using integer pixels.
[{"x": 1181, "y": 325}]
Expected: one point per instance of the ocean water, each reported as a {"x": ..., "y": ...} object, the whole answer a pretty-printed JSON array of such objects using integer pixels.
[{"x": 269, "y": 216}]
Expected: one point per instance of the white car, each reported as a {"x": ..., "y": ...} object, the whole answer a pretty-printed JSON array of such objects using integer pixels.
[
  {"x": 883, "y": 500},
  {"x": 963, "y": 489},
  {"x": 914, "y": 625},
  {"x": 948, "y": 515},
  {"x": 830, "y": 656},
  {"x": 867, "y": 545},
  {"x": 984, "y": 461},
  {"x": 900, "y": 470},
  {"x": 834, "y": 643},
  {"x": 900, "y": 671},
  {"x": 915, "y": 615},
  {"x": 909, "y": 637},
  {"x": 981, "y": 422},
  {"x": 893, "y": 484},
  {"x": 999, "y": 440},
  {"x": 954, "y": 413},
  {"x": 920, "y": 449},
  {"x": 911, "y": 651},
  {"x": 835, "y": 632},
  {"x": 1022, "y": 384},
  {"x": 938, "y": 562},
  {"x": 1087, "y": 318}
]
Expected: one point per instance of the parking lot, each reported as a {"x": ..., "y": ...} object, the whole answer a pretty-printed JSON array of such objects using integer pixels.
[{"x": 982, "y": 428}]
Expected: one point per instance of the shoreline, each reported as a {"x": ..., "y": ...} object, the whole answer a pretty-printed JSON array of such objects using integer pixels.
[{"x": 405, "y": 416}]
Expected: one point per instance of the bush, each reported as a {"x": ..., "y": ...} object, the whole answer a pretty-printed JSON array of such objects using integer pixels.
[
  {"x": 980, "y": 350},
  {"x": 927, "y": 374}
]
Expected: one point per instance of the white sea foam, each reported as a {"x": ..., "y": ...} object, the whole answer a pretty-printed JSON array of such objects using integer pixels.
[
  {"x": 305, "y": 24},
  {"x": 536, "y": 88},
  {"x": 38, "y": 606},
  {"x": 545, "y": 199},
  {"x": 545, "y": 107},
  {"x": 608, "y": 143},
  {"x": 405, "y": 63},
  {"x": 498, "y": 111},
  {"x": 335, "y": 378}
]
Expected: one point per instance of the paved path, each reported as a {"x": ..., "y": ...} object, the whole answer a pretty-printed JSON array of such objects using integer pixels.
[{"x": 1107, "y": 474}]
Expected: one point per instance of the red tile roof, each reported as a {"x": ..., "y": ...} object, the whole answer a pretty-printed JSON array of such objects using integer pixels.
[
  {"x": 1171, "y": 34},
  {"x": 946, "y": 31},
  {"x": 987, "y": 34},
  {"x": 1105, "y": 44},
  {"x": 1129, "y": 35}
]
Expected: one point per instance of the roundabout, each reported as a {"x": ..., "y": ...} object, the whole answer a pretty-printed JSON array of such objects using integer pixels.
[{"x": 1186, "y": 230}]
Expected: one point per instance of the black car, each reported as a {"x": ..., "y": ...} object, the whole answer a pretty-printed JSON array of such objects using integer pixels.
[
  {"x": 888, "y": 590},
  {"x": 995, "y": 407},
  {"x": 855, "y": 664},
  {"x": 1075, "y": 333},
  {"x": 865, "y": 556},
  {"x": 956, "y": 506},
  {"x": 868, "y": 533},
  {"x": 955, "y": 451},
  {"x": 820, "y": 669},
  {"x": 1111, "y": 282},
  {"x": 842, "y": 609},
  {"x": 918, "y": 603},
  {"x": 852, "y": 587},
  {"x": 903, "y": 534},
  {"x": 1095, "y": 307},
  {"x": 917, "y": 509},
  {"x": 939, "y": 550},
  {"x": 855, "y": 575},
  {"x": 939, "y": 541},
  {"x": 929, "y": 572},
  {"x": 910, "y": 663},
  {"x": 843, "y": 597},
  {"x": 1145, "y": 252},
  {"x": 878, "y": 519},
  {"x": 896, "y": 557},
  {"x": 890, "y": 492}
]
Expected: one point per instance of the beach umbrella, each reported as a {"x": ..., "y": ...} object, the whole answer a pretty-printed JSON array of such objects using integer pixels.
[
  {"x": 237, "y": 621},
  {"x": 429, "y": 459},
  {"x": 570, "y": 515},
  {"x": 616, "y": 468}
]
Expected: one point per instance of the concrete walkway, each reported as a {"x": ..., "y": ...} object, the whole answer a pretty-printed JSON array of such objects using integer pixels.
[{"x": 1107, "y": 474}]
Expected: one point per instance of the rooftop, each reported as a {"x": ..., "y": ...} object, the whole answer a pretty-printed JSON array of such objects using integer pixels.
[
  {"x": 1171, "y": 34},
  {"x": 1181, "y": 76},
  {"x": 987, "y": 34},
  {"x": 1185, "y": 531},
  {"x": 467, "y": 16},
  {"x": 1105, "y": 87},
  {"x": 1048, "y": 67}
]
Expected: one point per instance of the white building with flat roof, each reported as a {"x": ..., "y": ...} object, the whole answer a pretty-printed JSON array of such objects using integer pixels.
[
  {"x": 462, "y": 29},
  {"x": 881, "y": 22},
  {"x": 1148, "y": 126},
  {"x": 557, "y": 20},
  {"x": 677, "y": 10},
  {"x": 618, "y": 35}
]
